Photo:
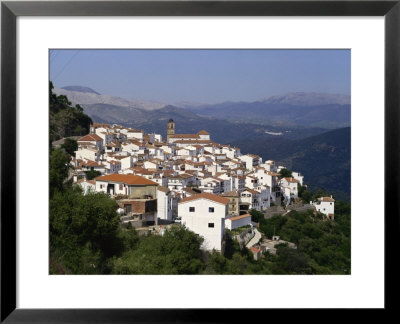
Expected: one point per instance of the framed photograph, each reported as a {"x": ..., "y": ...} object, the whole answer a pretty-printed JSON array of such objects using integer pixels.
[{"x": 155, "y": 150}]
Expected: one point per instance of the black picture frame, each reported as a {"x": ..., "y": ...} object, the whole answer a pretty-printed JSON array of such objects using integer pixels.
[{"x": 10, "y": 10}]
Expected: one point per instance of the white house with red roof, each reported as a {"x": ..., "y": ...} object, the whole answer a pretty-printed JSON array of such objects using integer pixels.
[
  {"x": 88, "y": 153},
  {"x": 251, "y": 160},
  {"x": 326, "y": 206},
  {"x": 87, "y": 165},
  {"x": 205, "y": 215},
  {"x": 252, "y": 198},
  {"x": 91, "y": 140},
  {"x": 87, "y": 186},
  {"x": 126, "y": 184},
  {"x": 204, "y": 135},
  {"x": 106, "y": 136},
  {"x": 289, "y": 188},
  {"x": 237, "y": 221}
]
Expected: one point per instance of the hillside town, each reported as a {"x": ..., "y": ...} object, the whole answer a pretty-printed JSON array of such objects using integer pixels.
[{"x": 187, "y": 179}]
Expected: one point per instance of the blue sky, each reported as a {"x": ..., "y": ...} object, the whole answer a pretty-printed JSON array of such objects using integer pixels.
[{"x": 206, "y": 76}]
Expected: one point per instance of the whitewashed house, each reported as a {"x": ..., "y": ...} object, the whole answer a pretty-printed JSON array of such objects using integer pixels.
[
  {"x": 298, "y": 176},
  {"x": 87, "y": 186},
  {"x": 134, "y": 134},
  {"x": 88, "y": 165},
  {"x": 289, "y": 188},
  {"x": 126, "y": 184},
  {"x": 205, "y": 215},
  {"x": 237, "y": 221},
  {"x": 91, "y": 140},
  {"x": 180, "y": 181},
  {"x": 326, "y": 206},
  {"x": 88, "y": 153}
]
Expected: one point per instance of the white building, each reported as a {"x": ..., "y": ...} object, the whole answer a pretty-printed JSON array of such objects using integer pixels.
[
  {"x": 164, "y": 203},
  {"x": 237, "y": 221},
  {"x": 126, "y": 184},
  {"x": 86, "y": 185},
  {"x": 88, "y": 153},
  {"x": 91, "y": 140},
  {"x": 298, "y": 176},
  {"x": 326, "y": 206},
  {"x": 205, "y": 215},
  {"x": 289, "y": 188}
]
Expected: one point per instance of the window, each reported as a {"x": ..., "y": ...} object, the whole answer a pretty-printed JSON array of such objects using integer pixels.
[
  {"x": 191, "y": 209},
  {"x": 211, "y": 209},
  {"x": 211, "y": 225}
]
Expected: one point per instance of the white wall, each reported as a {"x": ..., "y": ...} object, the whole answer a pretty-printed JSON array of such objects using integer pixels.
[
  {"x": 325, "y": 207},
  {"x": 232, "y": 224},
  {"x": 164, "y": 205},
  {"x": 198, "y": 221}
]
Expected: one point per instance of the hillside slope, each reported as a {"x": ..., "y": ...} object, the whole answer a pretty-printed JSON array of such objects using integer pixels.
[{"x": 324, "y": 159}]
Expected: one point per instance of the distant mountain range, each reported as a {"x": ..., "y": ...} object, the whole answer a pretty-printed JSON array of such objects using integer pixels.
[
  {"x": 318, "y": 110},
  {"x": 187, "y": 122},
  {"x": 301, "y": 109},
  {"x": 309, "y": 99},
  {"x": 87, "y": 96}
]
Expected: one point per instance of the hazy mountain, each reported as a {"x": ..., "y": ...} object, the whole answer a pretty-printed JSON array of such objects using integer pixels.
[
  {"x": 80, "y": 89},
  {"x": 187, "y": 122},
  {"x": 301, "y": 109},
  {"x": 309, "y": 99},
  {"x": 324, "y": 159},
  {"x": 86, "y": 96}
]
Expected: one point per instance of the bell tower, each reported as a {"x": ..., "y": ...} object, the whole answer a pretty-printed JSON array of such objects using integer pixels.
[{"x": 170, "y": 129}]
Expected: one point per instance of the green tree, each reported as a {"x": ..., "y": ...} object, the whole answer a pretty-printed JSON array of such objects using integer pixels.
[
  {"x": 176, "y": 252},
  {"x": 285, "y": 173},
  {"x": 83, "y": 230},
  {"x": 58, "y": 171},
  {"x": 70, "y": 146},
  {"x": 305, "y": 194},
  {"x": 91, "y": 174}
]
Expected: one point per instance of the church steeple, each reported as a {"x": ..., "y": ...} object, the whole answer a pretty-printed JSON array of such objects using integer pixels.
[{"x": 170, "y": 129}]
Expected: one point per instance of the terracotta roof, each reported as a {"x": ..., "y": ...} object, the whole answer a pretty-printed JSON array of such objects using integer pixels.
[
  {"x": 190, "y": 191},
  {"x": 129, "y": 179},
  {"x": 114, "y": 144},
  {"x": 208, "y": 196},
  {"x": 239, "y": 217},
  {"x": 254, "y": 249},
  {"x": 291, "y": 180},
  {"x": 254, "y": 192},
  {"x": 198, "y": 141},
  {"x": 90, "y": 138},
  {"x": 90, "y": 163},
  {"x": 326, "y": 199},
  {"x": 203, "y": 132},
  {"x": 184, "y": 136},
  {"x": 84, "y": 180},
  {"x": 101, "y": 125}
]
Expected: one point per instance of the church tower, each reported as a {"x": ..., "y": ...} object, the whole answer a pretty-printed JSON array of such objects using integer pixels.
[{"x": 170, "y": 129}]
